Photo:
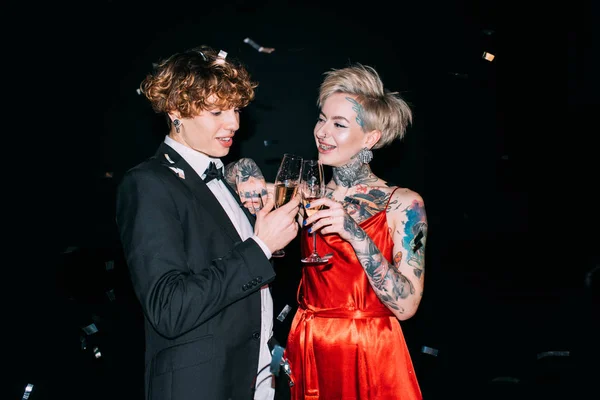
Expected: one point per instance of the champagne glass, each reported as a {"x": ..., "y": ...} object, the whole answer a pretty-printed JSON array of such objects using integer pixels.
[
  {"x": 312, "y": 187},
  {"x": 286, "y": 183}
]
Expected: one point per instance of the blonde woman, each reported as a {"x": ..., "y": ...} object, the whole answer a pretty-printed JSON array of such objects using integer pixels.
[{"x": 346, "y": 340}]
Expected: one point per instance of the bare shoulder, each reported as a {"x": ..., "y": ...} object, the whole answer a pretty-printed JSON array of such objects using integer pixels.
[
  {"x": 404, "y": 205},
  {"x": 402, "y": 198}
]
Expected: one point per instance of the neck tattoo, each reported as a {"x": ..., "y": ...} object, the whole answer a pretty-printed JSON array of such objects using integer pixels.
[{"x": 353, "y": 173}]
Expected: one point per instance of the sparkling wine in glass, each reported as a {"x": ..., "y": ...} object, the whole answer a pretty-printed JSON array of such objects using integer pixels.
[
  {"x": 312, "y": 187},
  {"x": 286, "y": 183}
]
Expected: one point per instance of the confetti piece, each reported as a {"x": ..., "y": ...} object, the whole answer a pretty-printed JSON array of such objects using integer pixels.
[
  {"x": 111, "y": 294},
  {"x": 110, "y": 264},
  {"x": 429, "y": 350},
  {"x": 70, "y": 249},
  {"x": 179, "y": 172},
  {"x": 97, "y": 352},
  {"x": 269, "y": 142},
  {"x": 28, "y": 390},
  {"x": 90, "y": 329},
  {"x": 553, "y": 354},
  {"x": 590, "y": 275},
  {"x": 284, "y": 313},
  {"x": 487, "y": 56},
  {"x": 459, "y": 75},
  {"x": 258, "y": 47},
  {"x": 138, "y": 91}
]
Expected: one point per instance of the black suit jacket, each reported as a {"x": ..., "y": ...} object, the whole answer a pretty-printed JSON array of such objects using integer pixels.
[{"x": 198, "y": 283}]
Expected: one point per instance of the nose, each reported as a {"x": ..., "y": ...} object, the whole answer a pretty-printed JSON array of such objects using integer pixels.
[
  {"x": 320, "y": 132},
  {"x": 231, "y": 121}
]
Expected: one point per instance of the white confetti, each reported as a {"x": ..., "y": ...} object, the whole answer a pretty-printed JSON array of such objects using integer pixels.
[
  {"x": 179, "y": 172},
  {"x": 284, "y": 313},
  {"x": 28, "y": 390},
  {"x": 258, "y": 47}
]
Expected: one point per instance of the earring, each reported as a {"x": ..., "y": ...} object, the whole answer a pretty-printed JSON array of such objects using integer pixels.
[
  {"x": 365, "y": 155},
  {"x": 177, "y": 124}
]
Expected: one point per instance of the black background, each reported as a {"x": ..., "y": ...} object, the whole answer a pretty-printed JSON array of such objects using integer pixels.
[{"x": 506, "y": 265}]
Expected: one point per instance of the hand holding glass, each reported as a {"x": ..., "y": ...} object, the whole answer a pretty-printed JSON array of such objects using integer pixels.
[
  {"x": 286, "y": 183},
  {"x": 312, "y": 187}
]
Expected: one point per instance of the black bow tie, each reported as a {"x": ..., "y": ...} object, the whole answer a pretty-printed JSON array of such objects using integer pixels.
[{"x": 212, "y": 172}]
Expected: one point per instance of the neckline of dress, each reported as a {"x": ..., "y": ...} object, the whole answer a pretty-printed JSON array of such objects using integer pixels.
[{"x": 371, "y": 217}]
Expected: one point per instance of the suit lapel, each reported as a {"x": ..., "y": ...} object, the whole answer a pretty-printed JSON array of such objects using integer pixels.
[{"x": 170, "y": 158}]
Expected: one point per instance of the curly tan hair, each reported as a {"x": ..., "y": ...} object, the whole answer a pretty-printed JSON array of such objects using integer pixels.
[{"x": 198, "y": 79}]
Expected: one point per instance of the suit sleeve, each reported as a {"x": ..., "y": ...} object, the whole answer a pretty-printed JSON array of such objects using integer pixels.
[{"x": 175, "y": 299}]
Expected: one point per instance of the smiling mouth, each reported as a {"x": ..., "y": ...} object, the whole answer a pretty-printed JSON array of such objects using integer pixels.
[
  {"x": 325, "y": 147},
  {"x": 224, "y": 139}
]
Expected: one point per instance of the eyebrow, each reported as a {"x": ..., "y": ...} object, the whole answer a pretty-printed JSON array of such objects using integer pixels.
[{"x": 335, "y": 117}]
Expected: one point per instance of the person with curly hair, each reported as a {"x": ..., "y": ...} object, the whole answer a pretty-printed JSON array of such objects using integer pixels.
[{"x": 199, "y": 261}]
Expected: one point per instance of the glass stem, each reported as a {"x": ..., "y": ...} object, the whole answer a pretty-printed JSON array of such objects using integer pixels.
[{"x": 314, "y": 235}]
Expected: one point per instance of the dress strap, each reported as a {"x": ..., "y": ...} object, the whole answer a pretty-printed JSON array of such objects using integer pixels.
[{"x": 388, "y": 202}]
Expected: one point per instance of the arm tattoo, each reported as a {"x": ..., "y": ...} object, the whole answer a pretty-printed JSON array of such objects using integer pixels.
[
  {"x": 415, "y": 234},
  {"x": 375, "y": 269},
  {"x": 352, "y": 227},
  {"x": 389, "y": 283}
]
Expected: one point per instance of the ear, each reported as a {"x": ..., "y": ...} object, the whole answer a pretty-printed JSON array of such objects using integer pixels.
[
  {"x": 372, "y": 138},
  {"x": 173, "y": 117}
]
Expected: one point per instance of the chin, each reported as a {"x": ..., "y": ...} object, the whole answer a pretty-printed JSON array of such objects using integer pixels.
[
  {"x": 218, "y": 153},
  {"x": 327, "y": 159}
]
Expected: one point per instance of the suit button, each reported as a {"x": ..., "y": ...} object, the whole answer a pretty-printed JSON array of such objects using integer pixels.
[
  {"x": 245, "y": 287},
  {"x": 254, "y": 281},
  {"x": 259, "y": 279},
  {"x": 256, "y": 335}
]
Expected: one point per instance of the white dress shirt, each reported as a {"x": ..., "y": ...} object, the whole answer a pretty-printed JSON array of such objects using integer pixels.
[{"x": 199, "y": 162}]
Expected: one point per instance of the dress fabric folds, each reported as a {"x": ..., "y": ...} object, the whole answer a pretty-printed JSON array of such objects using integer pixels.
[{"x": 344, "y": 343}]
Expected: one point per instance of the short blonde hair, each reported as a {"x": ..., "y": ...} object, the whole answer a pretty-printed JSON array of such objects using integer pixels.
[
  {"x": 382, "y": 110},
  {"x": 184, "y": 82}
]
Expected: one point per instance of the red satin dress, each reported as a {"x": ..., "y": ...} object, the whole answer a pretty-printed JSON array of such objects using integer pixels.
[{"x": 344, "y": 344}]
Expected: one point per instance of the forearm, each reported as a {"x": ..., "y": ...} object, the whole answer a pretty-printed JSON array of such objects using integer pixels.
[
  {"x": 393, "y": 288},
  {"x": 176, "y": 299}
]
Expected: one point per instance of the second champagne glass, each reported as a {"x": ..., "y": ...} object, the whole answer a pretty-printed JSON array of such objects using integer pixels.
[
  {"x": 286, "y": 183},
  {"x": 312, "y": 187}
]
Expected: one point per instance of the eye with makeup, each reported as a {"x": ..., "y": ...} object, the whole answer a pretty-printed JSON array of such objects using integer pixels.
[{"x": 321, "y": 120}]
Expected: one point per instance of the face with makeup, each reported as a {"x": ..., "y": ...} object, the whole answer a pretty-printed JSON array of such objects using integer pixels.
[
  {"x": 210, "y": 133},
  {"x": 338, "y": 133}
]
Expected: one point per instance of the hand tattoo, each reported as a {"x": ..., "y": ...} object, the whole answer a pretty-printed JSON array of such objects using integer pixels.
[{"x": 243, "y": 169}]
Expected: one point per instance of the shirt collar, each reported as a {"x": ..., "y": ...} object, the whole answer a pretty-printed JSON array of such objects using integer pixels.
[{"x": 198, "y": 161}]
